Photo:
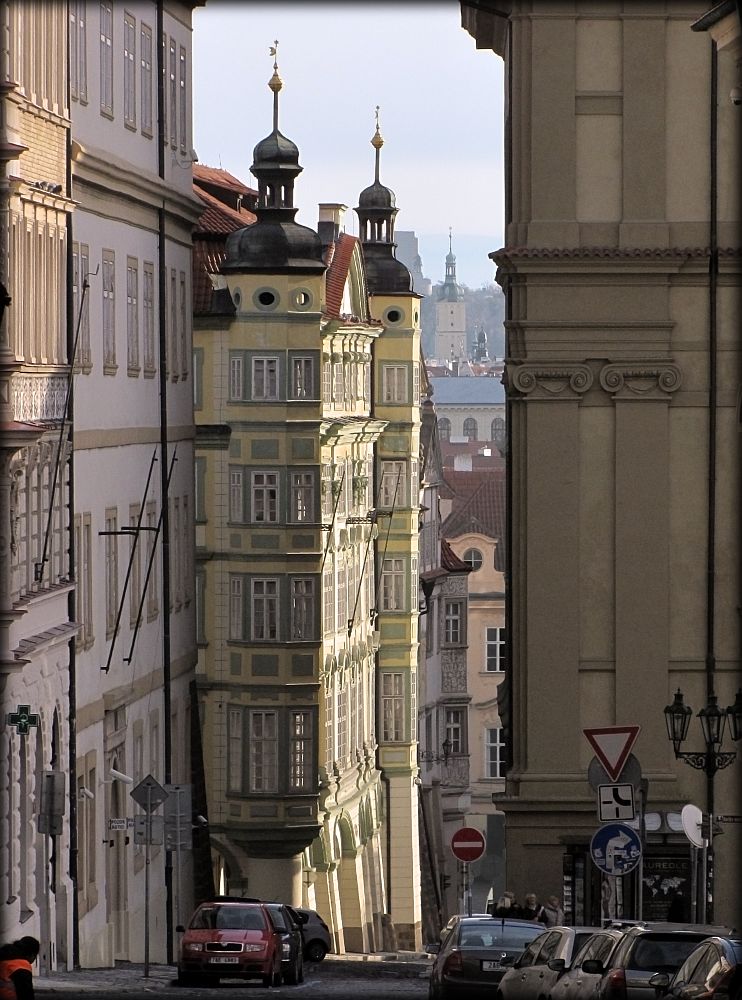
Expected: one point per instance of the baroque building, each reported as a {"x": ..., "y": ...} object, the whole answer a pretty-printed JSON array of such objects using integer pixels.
[
  {"x": 622, "y": 275},
  {"x": 306, "y": 555},
  {"x": 36, "y": 626}
]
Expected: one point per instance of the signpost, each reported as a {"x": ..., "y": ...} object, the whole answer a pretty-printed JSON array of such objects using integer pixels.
[
  {"x": 150, "y": 795},
  {"x": 467, "y": 845}
]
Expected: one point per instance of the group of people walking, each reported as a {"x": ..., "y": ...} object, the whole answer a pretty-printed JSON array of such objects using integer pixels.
[{"x": 550, "y": 913}]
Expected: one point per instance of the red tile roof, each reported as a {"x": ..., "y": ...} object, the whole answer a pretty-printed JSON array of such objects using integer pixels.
[
  {"x": 218, "y": 218},
  {"x": 482, "y": 511},
  {"x": 208, "y": 257},
  {"x": 220, "y": 178},
  {"x": 450, "y": 561},
  {"x": 337, "y": 273}
]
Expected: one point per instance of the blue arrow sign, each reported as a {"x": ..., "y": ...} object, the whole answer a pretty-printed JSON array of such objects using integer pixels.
[{"x": 616, "y": 849}]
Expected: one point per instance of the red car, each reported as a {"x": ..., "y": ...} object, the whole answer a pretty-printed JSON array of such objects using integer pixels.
[{"x": 229, "y": 939}]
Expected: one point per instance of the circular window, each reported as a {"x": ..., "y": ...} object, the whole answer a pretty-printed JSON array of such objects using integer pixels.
[
  {"x": 301, "y": 298},
  {"x": 473, "y": 557},
  {"x": 265, "y": 298},
  {"x": 393, "y": 316},
  {"x": 237, "y": 297}
]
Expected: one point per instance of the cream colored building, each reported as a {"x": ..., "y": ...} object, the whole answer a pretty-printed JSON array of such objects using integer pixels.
[
  {"x": 621, "y": 267},
  {"x": 307, "y": 560},
  {"x": 35, "y": 583}
]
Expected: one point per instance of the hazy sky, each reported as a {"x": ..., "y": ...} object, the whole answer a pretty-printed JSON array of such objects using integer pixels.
[{"x": 441, "y": 112}]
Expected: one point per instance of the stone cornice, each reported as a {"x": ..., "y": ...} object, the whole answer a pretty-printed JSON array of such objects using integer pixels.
[
  {"x": 550, "y": 381},
  {"x": 643, "y": 380}
]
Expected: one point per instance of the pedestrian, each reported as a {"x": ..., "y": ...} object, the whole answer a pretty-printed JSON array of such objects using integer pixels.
[
  {"x": 552, "y": 914},
  {"x": 506, "y": 905},
  {"x": 532, "y": 908},
  {"x": 16, "y": 969}
]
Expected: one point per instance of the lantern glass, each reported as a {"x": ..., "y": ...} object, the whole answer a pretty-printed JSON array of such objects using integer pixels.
[
  {"x": 734, "y": 714},
  {"x": 713, "y": 721},
  {"x": 677, "y": 719},
  {"x": 447, "y": 747}
]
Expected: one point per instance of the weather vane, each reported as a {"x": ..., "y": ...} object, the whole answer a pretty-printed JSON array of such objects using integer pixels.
[{"x": 274, "y": 53}]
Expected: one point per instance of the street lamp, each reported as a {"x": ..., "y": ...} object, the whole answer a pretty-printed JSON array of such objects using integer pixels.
[
  {"x": 430, "y": 755},
  {"x": 713, "y": 721}
]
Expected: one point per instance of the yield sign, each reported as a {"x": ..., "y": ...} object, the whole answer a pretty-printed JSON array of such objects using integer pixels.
[{"x": 612, "y": 746}]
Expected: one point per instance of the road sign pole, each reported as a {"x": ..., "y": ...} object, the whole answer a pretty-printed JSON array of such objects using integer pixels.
[{"x": 147, "y": 850}]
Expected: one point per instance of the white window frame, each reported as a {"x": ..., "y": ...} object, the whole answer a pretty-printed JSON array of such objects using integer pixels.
[
  {"x": 183, "y": 104},
  {"x": 494, "y": 752},
  {"x": 111, "y": 564},
  {"x": 393, "y": 485},
  {"x": 264, "y": 609},
  {"x": 263, "y": 744},
  {"x": 393, "y": 701},
  {"x": 145, "y": 86},
  {"x": 130, "y": 70},
  {"x": 393, "y": 596},
  {"x": 132, "y": 315},
  {"x": 78, "y": 51},
  {"x": 236, "y": 609},
  {"x": 301, "y": 734},
  {"x": 236, "y": 377},
  {"x": 264, "y": 498},
  {"x": 496, "y": 649},
  {"x": 302, "y": 378},
  {"x": 106, "y": 58},
  {"x": 454, "y": 622},
  {"x": 302, "y": 609},
  {"x": 264, "y": 379},
  {"x": 394, "y": 384},
  {"x": 235, "y": 748},
  {"x": 236, "y": 495},
  {"x": 455, "y": 729},
  {"x": 173, "y": 80},
  {"x": 302, "y": 497},
  {"x": 108, "y": 285},
  {"x": 148, "y": 316}
]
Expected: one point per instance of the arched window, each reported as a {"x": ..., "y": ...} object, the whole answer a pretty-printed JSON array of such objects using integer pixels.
[
  {"x": 470, "y": 429},
  {"x": 498, "y": 429},
  {"x": 444, "y": 429}
]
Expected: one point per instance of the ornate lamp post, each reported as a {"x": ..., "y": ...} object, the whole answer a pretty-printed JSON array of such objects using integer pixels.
[
  {"x": 713, "y": 722},
  {"x": 431, "y": 756}
]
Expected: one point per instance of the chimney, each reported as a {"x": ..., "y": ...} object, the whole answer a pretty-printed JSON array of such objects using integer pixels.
[
  {"x": 331, "y": 221},
  {"x": 462, "y": 463}
]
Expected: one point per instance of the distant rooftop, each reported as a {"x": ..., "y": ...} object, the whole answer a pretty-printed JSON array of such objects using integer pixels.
[{"x": 478, "y": 391}]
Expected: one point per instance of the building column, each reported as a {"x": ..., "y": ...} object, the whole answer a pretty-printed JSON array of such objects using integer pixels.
[{"x": 276, "y": 878}]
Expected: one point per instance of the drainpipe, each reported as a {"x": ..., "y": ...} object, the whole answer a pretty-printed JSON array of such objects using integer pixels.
[
  {"x": 712, "y": 445},
  {"x": 164, "y": 464}
]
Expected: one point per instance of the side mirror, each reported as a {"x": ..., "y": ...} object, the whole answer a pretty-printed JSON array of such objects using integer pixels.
[
  {"x": 660, "y": 981},
  {"x": 593, "y": 967},
  {"x": 433, "y": 948},
  {"x": 556, "y": 964}
]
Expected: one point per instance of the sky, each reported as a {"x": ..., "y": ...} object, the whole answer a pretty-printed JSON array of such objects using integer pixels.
[{"x": 440, "y": 109}]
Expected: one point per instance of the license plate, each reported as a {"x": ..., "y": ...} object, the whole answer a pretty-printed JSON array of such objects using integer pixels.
[
  {"x": 224, "y": 960},
  {"x": 491, "y": 966}
]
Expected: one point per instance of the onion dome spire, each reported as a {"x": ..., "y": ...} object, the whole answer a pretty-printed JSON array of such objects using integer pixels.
[
  {"x": 275, "y": 242},
  {"x": 450, "y": 289},
  {"x": 377, "y": 208}
]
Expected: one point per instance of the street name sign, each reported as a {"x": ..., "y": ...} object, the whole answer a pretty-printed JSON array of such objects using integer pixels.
[
  {"x": 612, "y": 746},
  {"x": 616, "y": 803},
  {"x": 616, "y": 849},
  {"x": 468, "y": 844}
]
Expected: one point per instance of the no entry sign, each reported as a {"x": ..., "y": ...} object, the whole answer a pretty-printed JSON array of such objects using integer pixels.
[{"x": 467, "y": 844}]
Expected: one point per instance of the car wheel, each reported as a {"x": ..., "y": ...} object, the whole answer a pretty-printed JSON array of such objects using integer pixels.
[{"x": 315, "y": 951}]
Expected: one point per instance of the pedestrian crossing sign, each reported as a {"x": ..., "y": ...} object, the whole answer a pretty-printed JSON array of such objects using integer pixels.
[{"x": 616, "y": 803}]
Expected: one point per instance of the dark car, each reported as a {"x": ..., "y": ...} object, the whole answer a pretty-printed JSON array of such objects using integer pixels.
[
  {"x": 228, "y": 939},
  {"x": 473, "y": 954},
  {"x": 544, "y": 961},
  {"x": 581, "y": 980},
  {"x": 316, "y": 934},
  {"x": 712, "y": 970},
  {"x": 642, "y": 952},
  {"x": 288, "y": 923}
]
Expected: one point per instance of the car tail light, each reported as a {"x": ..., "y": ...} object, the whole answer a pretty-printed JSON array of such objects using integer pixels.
[
  {"x": 454, "y": 964},
  {"x": 614, "y": 986}
]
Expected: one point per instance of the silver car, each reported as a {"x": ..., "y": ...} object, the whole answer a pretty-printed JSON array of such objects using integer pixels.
[
  {"x": 582, "y": 979},
  {"x": 544, "y": 961}
]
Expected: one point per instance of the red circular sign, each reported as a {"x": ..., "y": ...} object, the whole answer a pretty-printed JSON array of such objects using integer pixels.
[{"x": 467, "y": 844}]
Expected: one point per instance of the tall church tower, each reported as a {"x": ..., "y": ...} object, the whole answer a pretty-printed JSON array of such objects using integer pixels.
[
  {"x": 396, "y": 402},
  {"x": 450, "y": 313}
]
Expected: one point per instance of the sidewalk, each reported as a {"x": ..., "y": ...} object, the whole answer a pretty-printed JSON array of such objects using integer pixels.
[{"x": 162, "y": 977}]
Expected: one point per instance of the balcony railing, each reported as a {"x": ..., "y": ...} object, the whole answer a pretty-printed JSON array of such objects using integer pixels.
[{"x": 38, "y": 397}]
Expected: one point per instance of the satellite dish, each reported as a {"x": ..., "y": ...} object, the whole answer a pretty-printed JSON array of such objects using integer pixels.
[{"x": 690, "y": 817}]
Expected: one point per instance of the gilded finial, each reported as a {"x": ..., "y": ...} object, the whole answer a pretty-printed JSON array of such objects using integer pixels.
[
  {"x": 275, "y": 83},
  {"x": 377, "y": 142}
]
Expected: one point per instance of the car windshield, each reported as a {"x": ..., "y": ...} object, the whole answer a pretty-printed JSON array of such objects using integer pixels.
[
  {"x": 494, "y": 934},
  {"x": 277, "y": 917},
  {"x": 228, "y": 918},
  {"x": 662, "y": 954}
]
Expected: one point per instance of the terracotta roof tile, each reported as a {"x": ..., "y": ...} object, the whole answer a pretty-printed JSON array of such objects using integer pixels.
[
  {"x": 450, "y": 561},
  {"x": 208, "y": 256},
  {"x": 337, "y": 273},
  {"x": 220, "y": 178},
  {"x": 482, "y": 511},
  {"x": 218, "y": 218}
]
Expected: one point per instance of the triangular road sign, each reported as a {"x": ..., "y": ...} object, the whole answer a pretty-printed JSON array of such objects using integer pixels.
[{"x": 612, "y": 746}]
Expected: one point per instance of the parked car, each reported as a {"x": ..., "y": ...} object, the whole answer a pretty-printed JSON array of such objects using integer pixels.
[
  {"x": 469, "y": 959},
  {"x": 316, "y": 934},
  {"x": 235, "y": 938},
  {"x": 712, "y": 970},
  {"x": 578, "y": 982},
  {"x": 641, "y": 953},
  {"x": 543, "y": 962},
  {"x": 288, "y": 923}
]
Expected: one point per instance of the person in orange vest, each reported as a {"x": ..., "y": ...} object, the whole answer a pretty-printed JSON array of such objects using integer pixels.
[{"x": 16, "y": 969}]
